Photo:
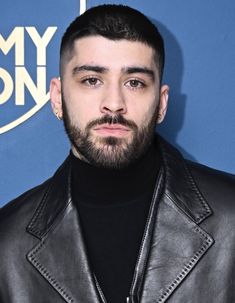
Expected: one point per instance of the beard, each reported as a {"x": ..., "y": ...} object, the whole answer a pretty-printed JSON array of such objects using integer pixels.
[{"x": 109, "y": 152}]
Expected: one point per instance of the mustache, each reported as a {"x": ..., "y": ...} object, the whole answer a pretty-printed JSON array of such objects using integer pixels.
[{"x": 114, "y": 119}]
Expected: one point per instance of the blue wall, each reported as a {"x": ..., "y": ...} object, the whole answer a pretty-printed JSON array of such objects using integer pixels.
[{"x": 200, "y": 44}]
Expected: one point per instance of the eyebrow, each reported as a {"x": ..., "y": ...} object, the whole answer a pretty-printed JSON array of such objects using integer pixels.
[
  {"x": 92, "y": 68},
  {"x": 103, "y": 69},
  {"x": 142, "y": 70}
]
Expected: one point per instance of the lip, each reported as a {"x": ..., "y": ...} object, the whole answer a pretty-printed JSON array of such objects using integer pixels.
[{"x": 111, "y": 130}]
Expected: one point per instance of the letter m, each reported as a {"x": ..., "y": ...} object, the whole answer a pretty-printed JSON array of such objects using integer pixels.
[{"x": 15, "y": 38}]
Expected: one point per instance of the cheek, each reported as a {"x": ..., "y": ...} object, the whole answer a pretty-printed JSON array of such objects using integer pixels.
[
  {"x": 150, "y": 116},
  {"x": 144, "y": 113},
  {"x": 81, "y": 100},
  {"x": 80, "y": 112}
]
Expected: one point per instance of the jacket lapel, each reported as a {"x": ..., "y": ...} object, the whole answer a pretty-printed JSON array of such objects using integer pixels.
[
  {"x": 178, "y": 243},
  {"x": 60, "y": 257}
]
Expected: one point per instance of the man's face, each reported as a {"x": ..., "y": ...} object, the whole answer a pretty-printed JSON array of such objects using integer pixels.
[{"x": 110, "y": 100}]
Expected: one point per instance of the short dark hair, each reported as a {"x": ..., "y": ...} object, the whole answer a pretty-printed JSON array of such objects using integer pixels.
[{"x": 114, "y": 22}]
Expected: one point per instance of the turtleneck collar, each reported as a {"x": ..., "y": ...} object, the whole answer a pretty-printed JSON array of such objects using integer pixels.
[{"x": 102, "y": 186}]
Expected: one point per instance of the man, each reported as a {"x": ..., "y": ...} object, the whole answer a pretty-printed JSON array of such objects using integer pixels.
[{"x": 125, "y": 218}]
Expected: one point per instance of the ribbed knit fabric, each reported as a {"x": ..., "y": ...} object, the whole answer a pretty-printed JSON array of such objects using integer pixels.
[{"x": 113, "y": 207}]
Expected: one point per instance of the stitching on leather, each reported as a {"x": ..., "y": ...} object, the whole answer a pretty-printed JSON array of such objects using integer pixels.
[
  {"x": 43, "y": 203},
  {"x": 99, "y": 289},
  {"x": 158, "y": 187},
  {"x": 191, "y": 182},
  {"x": 40, "y": 234},
  {"x": 198, "y": 193},
  {"x": 38, "y": 211},
  {"x": 155, "y": 197},
  {"x": 46, "y": 274},
  {"x": 192, "y": 262}
]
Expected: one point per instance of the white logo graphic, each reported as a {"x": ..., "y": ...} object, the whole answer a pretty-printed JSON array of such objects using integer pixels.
[
  {"x": 14, "y": 84},
  {"x": 82, "y": 6},
  {"x": 22, "y": 78}
]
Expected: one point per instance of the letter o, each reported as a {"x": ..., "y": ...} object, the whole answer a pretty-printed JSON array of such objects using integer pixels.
[{"x": 8, "y": 86}]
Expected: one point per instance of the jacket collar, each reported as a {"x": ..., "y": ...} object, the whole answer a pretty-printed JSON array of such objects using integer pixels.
[
  {"x": 56, "y": 199},
  {"x": 179, "y": 185},
  {"x": 181, "y": 207}
]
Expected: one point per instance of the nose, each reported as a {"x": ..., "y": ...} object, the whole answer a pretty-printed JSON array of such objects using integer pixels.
[{"x": 113, "y": 101}]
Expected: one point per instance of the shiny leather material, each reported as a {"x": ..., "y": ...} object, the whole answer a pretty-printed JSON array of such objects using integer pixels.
[{"x": 187, "y": 252}]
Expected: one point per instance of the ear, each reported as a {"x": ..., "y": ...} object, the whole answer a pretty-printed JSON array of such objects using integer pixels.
[
  {"x": 56, "y": 98},
  {"x": 163, "y": 102}
]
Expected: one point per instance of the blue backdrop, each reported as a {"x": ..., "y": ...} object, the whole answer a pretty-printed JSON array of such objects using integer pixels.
[{"x": 200, "y": 69}]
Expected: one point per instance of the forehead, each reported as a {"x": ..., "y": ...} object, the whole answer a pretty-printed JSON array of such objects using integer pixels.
[{"x": 111, "y": 53}]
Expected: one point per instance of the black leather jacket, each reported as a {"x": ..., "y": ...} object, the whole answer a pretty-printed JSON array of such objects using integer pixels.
[{"x": 187, "y": 253}]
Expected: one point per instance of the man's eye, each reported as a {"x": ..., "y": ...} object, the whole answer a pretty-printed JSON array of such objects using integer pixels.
[
  {"x": 91, "y": 81},
  {"x": 134, "y": 83}
]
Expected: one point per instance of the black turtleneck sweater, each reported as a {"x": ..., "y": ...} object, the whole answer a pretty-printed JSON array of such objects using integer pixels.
[{"x": 113, "y": 207}]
